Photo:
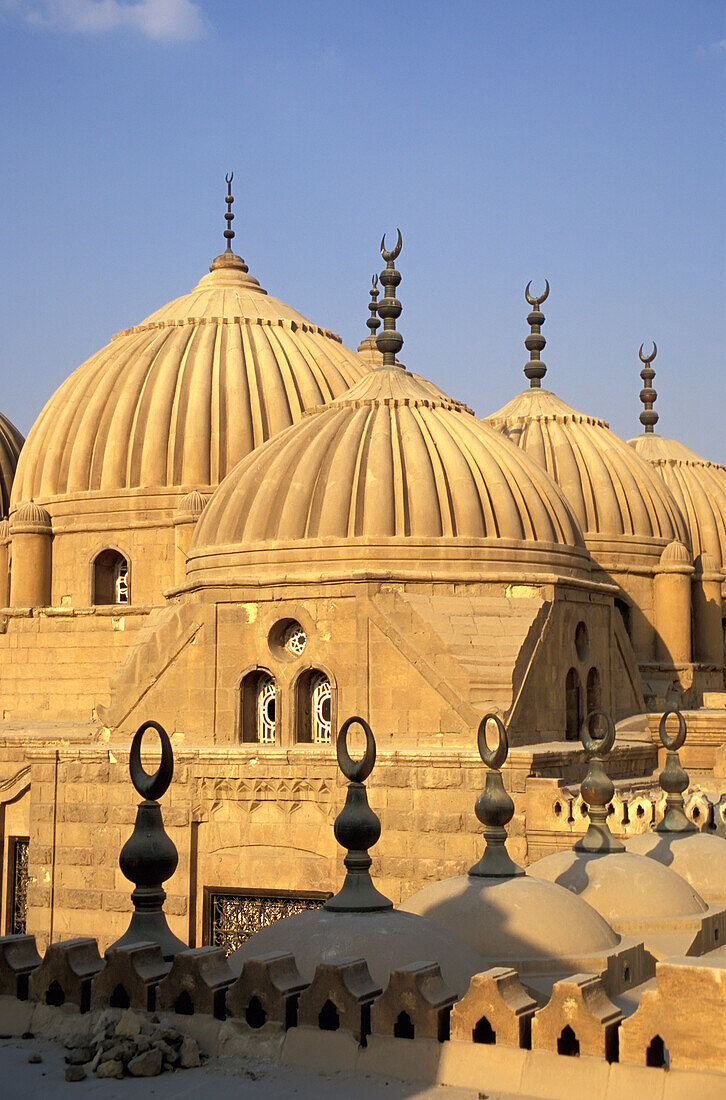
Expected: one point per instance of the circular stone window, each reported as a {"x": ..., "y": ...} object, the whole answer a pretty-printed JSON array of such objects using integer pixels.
[
  {"x": 287, "y": 639},
  {"x": 582, "y": 641}
]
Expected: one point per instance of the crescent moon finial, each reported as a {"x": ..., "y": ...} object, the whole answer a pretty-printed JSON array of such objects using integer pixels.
[
  {"x": 648, "y": 358},
  {"x": 542, "y": 297},
  {"x": 395, "y": 252}
]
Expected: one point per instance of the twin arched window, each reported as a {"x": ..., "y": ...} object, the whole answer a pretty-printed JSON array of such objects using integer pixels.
[{"x": 259, "y": 715}]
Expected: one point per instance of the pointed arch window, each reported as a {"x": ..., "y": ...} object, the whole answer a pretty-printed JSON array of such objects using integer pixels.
[
  {"x": 110, "y": 578},
  {"x": 314, "y": 708},
  {"x": 258, "y": 708}
]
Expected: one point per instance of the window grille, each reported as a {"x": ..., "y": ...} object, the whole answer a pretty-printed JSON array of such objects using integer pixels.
[
  {"x": 121, "y": 581},
  {"x": 18, "y": 907},
  {"x": 266, "y": 705},
  {"x": 320, "y": 702},
  {"x": 232, "y": 916},
  {"x": 294, "y": 639}
]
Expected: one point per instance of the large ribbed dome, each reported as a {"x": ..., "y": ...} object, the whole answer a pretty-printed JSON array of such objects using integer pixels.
[
  {"x": 699, "y": 487},
  {"x": 178, "y": 400},
  {"x": 391, "y": 476},
  {"x": 613, "y": 492},
  {"x": 11, "y": 442}
]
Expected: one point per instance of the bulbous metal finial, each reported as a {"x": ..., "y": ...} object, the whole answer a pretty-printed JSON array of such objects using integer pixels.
[
  {"x": 597, "y": 787},
  {"x": 389, "y": 342},
  {"x": 674, "y": 778},
  {"x": 373, "y": 321},
  {"x": 149, "y": 856},
  {"x": 229, "y": 216},
  {"x": 494, "y": 807},
  {"x": 535, "y": 369},
  {"x": 357, "y": 828},
  {"x": 649, "y": 417}
]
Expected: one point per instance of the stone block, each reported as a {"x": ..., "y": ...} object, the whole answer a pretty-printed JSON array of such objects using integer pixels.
[
  {"x": 674, "y": 1023},
  {"x": 495, "y": 1009},
  {"x": 130, "y": 977},
  {"x": 339, "y": 998},
  {"x": 66, "y": 973},
  {"x": 579, "y": 1019},
  {"x": 416, "y": 1004},
  {"x": 266, "y": 991},
  {"x": 18, "y": 959},
  {"x": 197, "y": 982}
]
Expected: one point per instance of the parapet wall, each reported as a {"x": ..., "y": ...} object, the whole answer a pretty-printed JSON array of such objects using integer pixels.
[{"x": 494, "y": 1037}]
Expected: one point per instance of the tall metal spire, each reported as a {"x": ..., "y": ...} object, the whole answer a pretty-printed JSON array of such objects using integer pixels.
[
  {"x": 535, "y": 369},
  {"x": 648, "y": 417},
  {"x": 494, "y": 807},
  {"x": 373, "y": 321},
  {"x": 229, "y": 216},
  {"x": 597, "y": 786},
  {"x": 357, "y": 828},
  {"x": 229, "y": 259},
  {"x": 389, "y": 342}
]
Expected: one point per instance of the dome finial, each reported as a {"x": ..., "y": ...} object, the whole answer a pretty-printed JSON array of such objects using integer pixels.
[
  {"x": 357, "y": 828},
  {"x": 535, "y": 369},
  {"x": 494, "y": 807},
  {"x": 674, "y": 779},
  {"x": 389, "y": 342},
  {"x": 229, "y": 216},
  {"x": 597, "y": 787},
  {"x": 373, "y": 321},
  {"x": 229, "y": 259},
  {"x": 649, "y": 417}
]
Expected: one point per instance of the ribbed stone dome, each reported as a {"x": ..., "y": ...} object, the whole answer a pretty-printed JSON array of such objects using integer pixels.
[
  {"x": 178, "y": 400},
  {"x": 698, "y": 486},
  {"x": 613, "y": 492},
  {"x": 11, "y": 442},
  {"x": 388, "y": 475},
  {"x": 30, "y": 516}
]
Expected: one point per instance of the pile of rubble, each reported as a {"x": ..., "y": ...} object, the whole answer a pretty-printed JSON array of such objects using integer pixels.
[{"x": 135, "y": 1046}]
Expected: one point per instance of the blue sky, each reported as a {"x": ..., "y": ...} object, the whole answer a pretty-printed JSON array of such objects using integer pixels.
[{"x": 510, "y": 141}]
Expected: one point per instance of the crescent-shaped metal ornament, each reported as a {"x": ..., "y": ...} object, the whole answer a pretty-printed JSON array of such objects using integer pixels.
[
  {"x": 597, "y": 746},
  {"x": 229, "y": 178},
  {"x": 672, "y": 741},
  {"x": 374, "y": 282},
  {"x": 493, "y": 758},
  {"x": 542, "y": 298},
  {"x": 393, "y": 254},
  {"x": 648, "y": 358}
]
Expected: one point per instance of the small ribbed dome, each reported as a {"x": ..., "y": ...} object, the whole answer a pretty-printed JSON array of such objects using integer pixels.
[
  {"x": 11, "y": 442},
  {"x": 388, "y": 473},
  {"x": 193, "y": 503},
  {"x": 30, "y": 515},
  {"x": 178, "y": 400},
  {"x": 612, "y": 491},
  {"x": 675, "y": 553},
  {"x": 698, "y": 486}
]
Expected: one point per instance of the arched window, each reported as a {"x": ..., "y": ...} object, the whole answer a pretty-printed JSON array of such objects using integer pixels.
[
  {"x": 573, "y": 705},
  {"x": 594, "y": 695},
  {"x": 110, "y": 578},
  {"x": 314, "y": 708},
  {"x": 258, "y": 708}
]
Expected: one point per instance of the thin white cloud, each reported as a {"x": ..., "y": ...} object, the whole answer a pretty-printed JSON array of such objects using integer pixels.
[{"x": 159, "y": 20}]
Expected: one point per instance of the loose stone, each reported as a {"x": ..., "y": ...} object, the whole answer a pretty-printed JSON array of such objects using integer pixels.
[
  {"x": 75, "y": 1073},
  {"x": 147, "y": 1064}
]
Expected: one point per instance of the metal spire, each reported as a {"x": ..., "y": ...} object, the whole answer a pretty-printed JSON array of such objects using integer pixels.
[
  {"x": 357, "y": 828},
  {"x": 535, "y": 369},
  {"x": 494, "y": 807},
  {"x": 389, "y": 342},
  {"x": 228, "y": 258},
  {"x": 674, "y": 779},
  {"x": 373, "y": 321},
  {"x": 648, "y": 417},
  {"x": 597, "y": 787},
  {"x": 229, "y": 216},
  {"x": 149, "y": 856}
]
